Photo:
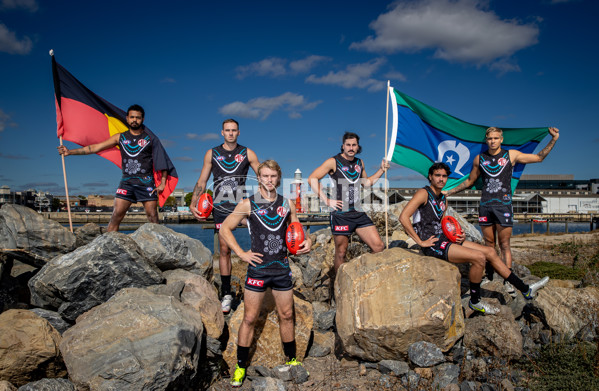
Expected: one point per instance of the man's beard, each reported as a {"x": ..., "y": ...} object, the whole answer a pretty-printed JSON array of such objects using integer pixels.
[{"x": 135, "y": 126}]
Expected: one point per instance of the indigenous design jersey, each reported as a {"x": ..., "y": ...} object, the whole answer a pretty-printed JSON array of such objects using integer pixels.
[
  {"x": 267, "y": 225},
  {"x": 496, "y": 173},
  {"x": 229, "y": 172},
  {"x": 346, "y": 182},
  {"x": 136, "y": 155},
  {"x": 427, "y": 219}
]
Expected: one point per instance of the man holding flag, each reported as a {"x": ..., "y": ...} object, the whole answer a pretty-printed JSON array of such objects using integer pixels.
[
  {"x": 495, "y": 167},
  {"x": 137, "y": 184}
]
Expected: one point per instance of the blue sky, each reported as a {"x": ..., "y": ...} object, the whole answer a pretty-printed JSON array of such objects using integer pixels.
[{"x": 296, "y": 75}]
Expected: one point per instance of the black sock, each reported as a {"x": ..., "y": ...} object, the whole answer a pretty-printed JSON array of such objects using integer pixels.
[
  {"x": 289, "y": 349},
  {"x": 225, "y": 288},
  {"x": 517, "y": 283},
  {"x": 243, "y": 354},
  {"x": 489, "y": 271},
  {"x": 474, "y": 292}
]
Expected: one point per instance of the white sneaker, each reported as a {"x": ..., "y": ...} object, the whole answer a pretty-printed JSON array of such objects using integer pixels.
[
  {"x": 483, "y": 307},
  {"x": 509, "y": 289},
  {"x": 225, "y": 304},
  {"x": 533, "y": 288}
]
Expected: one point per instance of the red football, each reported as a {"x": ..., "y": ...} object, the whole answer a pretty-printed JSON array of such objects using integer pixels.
[
  {"x": 205, "y": 205},
  {"x": 294, "y": 237},
  {"x": 451, "y": 228}
]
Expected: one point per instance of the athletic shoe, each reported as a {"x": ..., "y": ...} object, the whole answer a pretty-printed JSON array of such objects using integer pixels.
[
  {"x": 509, "y": 288},
  {"x": 225, "y": 304},
  {"x": 484, "y": 308},
  {"x": 533, "y": 288},
  {"x": 238, "y": 376}
]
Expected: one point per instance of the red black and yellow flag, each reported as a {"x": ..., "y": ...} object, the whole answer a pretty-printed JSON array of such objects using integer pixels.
[{"x": 86, "y": 118}]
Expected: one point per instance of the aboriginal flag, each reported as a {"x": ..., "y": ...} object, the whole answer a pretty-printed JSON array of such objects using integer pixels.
[
  {"x": 85, "y": 118},
  {"x": 423, "y": 135}
]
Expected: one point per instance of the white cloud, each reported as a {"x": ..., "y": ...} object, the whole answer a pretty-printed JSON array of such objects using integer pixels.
[
  {"x": 29, "y": 5},
  {"x": 275, "y": 66},
  {"x": 10, "y": 44},
  {"x": 262, "y": 107},
  {"x": 395, "y": 76},
  {"x": 457, "y": 30},
  {"x": 203, "y": 137},
  {"x": 353, "y": 76},
  {"x": 6, "y": 121}
]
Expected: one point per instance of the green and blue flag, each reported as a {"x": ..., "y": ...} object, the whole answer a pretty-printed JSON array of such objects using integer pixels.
[{"x": 423, "y": 135}]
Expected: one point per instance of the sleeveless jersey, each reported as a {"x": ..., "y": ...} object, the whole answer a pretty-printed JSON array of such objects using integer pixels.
[
  {"x": 346, "y": 182},
  {"x": 136, "y": 155},
  {"x": 496, "y": 173},
  {"x": 229, "y": 172},
  {"x": 267, "y": 224},
  {"x": 427, "y": 219}
]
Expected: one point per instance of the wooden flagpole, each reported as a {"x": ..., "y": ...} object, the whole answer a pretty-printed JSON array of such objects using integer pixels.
[
  {"x": 66, "y": 188},
  {"x": 386, "y": 182}
]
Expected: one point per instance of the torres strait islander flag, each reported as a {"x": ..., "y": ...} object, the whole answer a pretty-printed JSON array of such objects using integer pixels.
[
  {"x": 85, "y": 118},
  {"x": 423, "y": 135}
]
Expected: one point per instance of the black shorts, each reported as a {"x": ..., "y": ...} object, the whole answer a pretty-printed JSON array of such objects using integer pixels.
[
  {"x": 136, "y": 193},
  {"x": 221, "y": 212},
  {"x": 347, "y": 222},
  {"x": 499, "y": 214},
  {"x": 278, "y": 279},
  {"x": 440, "y": 249}
]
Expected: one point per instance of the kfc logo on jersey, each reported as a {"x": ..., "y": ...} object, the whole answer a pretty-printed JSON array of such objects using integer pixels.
[
  {"x": 121, "y": 191},
  {"x": 217, "y": 226},
  {"x": 281, "y": 211},
  {"x": 239, "y": 158},
  {"x": 482, "y": 219},
  {"x": 254, "y": 282},
  {"x": 502, "y": 161},
  {"x": 443, "y": 245},
  {"x": 142, "y": 143},
  {"x": 220, "y": 158},
  {"x": 344, "y": 228},
  {"x": 261, "y": 212}
]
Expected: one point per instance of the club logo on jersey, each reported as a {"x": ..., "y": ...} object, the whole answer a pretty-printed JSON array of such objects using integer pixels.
[
  {"x": 502, "y": 161},
  {"x": 142, "y": 143},
  {"x": 121, "y": 191},
  {"x": 442, "y": 205},
  {"x": 239, "y": 158},
  {"x": 254, "y": 282},
  {"x": 149, "y": 189},
  {"x": 358, "y": 168},
  {"x": 506, "y": 214},
  {"x": 281, "y": 211},
  {"x": 339, "y": 228},
  {"x": 443, "y": 245},
  {"x": 482, "y": 219},
  {"x": 261, "y": 212}
]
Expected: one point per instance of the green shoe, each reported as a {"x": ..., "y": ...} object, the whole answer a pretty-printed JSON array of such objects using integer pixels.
[
  {"x": 293, "y": 362},
  {"x": 238, "y": 376}
]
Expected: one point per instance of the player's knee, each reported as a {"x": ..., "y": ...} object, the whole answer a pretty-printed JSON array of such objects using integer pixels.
[
  {"x": 249, "y": 320},
  {"x": 378, "y": 247},
  {"x": 286, "y": 315},
  {"x": 479, "y": 259}
]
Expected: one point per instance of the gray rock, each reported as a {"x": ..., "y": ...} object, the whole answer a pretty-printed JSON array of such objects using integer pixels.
[
  {"x": 472, "y": 233},
  {"x": 268, "y": 384},
  {"x": 171, "y": 250},
  {"x": 324, "y": 316},
  {"x": 494, "y": 335},
  {"x": 468, "y": 385},
  {"x": 299, "y": 374},
  {"x": 411, "y": 380},
  {"x": 261, "y": 370},
  {"x": 136, "y": 340},
  {"x": 488, "y": 387},
  {"x": 87, "y": 233},
  {"x": 425, "y": 354},
  {"x": 53, "y": 318},
  {"x": 444, "y": 375},
  {"x": 31, "y": 238},
  {"x": 323, "y": 343},
  {"x": 48, "y": 385},
  {"x": 398, "y": 368},
  {"x": 78, "y": 281},
  {"x": 282, "y": 372}
]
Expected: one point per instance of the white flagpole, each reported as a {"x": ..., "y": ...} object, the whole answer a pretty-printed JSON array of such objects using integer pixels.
[
  {"x": 66, "y": 189},
  {"x": 386, "y": 182}
]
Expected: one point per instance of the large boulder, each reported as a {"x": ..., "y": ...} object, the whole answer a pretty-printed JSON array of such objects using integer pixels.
[
  {"x": 567, "y": 311},
  {"x": 137, "y": 340},
  {"x": 87, "y": 233},
  {"x": 267, "y": 348},
  {"x": 31, "y": 238},
  {"x": 28, "y": 348},
  {"x": 389, "y": 300},
  {"x": 74, "y": 283},
  {"x": 494, "y": 335},
  {"x": 202, "y": 296},
  {"x": 171, "y": 250}
]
